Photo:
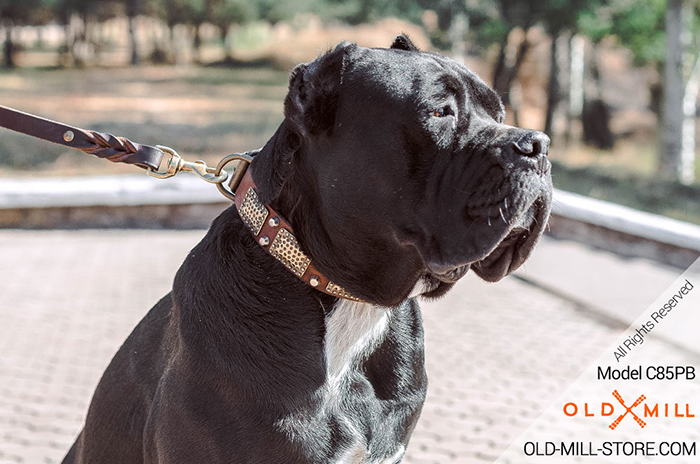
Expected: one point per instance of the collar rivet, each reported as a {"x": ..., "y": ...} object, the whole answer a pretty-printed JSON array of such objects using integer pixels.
[{"x": 280, "y": 243}]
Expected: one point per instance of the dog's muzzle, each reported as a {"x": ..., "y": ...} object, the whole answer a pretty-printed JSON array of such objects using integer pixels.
[{"x": 501, "y": 243}]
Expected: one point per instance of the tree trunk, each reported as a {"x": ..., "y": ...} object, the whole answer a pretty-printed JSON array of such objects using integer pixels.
[
  {"x": 690, "y": 108},
  {"x": 9, "y": 49},
  {"x": 514, "y": 103},
  {"x": 132, "y": 11},
  {"x": 133, "y": 43},
  {"x": 671, "y": 136},
  {"x": 500, "y": 66},
  {"x": 66, "y": 57},
  {"x": 457, "y": 33},
  {"x": 577, "y": 64},
  {"x": 197, "y": 43},
  {"x": 596, "y": 124},
  {"x": 596, "y": 114},
  {"x": 577, "y": 71},
  {"x": 224, "y": 34},
  {"x": 505, "y": 73},
  {"x": 552, "y": 85},
  {"x": 170, "y": 47}
]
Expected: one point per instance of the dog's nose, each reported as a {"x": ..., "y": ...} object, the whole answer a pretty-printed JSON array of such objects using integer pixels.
[{"x": 533, "y": 143}]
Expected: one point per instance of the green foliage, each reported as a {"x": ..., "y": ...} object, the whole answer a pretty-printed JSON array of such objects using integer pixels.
[
  {"x": 363, "y": 11},
  {"x": 595, "y": 24},
  {"x": 225, "y": 12},
  {"x": 492, "y": 25},
  {"x": 563, "y": 15},
  {"x": 182, "y": 11},
  {"x": 275, "y": 11},
  {"x": 490, "y": 31},
  {"x": 639, "y": 25}
]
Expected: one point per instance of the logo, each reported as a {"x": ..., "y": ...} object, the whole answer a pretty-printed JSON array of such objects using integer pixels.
[
  {"x": 617, "y": 421},
  {"x": 608, "y": 409}
]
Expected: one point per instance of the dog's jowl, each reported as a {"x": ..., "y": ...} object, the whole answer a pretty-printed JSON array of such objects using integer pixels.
[{"x": 293, "y": 334}]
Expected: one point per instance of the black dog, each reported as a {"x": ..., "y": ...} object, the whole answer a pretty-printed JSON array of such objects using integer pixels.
[{"x": 398, "y": 175}]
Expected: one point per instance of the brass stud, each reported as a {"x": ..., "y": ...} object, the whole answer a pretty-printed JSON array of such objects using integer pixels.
[
  {"x": 264, "y": 240},
  {"x": 274, "y": 222},
  {"x": 314, "y": 281},
  {"x": 68, "y": 136}
]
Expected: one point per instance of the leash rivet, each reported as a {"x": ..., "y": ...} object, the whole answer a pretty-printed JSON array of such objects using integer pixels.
[
  {"x": 264, "y": 240},
  {"x": 68, "y": 136},
  {"x": 314, "y": 281},
  {"x": 274, "y": 222}
]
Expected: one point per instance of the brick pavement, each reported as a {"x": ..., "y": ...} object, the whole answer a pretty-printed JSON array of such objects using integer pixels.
[{"x": 497, "y": 354}]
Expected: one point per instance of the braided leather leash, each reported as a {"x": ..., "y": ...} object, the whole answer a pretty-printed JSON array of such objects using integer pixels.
[
  {"x": 106, "y": 146},
  {"x": 275, "y": 235}
]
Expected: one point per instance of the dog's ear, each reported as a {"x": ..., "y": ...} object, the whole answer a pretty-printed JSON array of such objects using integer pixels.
[
  {"x": 403, "y": 42},
  {"x": 309, "y": 110},
  {"x": 312, "y": 101}
]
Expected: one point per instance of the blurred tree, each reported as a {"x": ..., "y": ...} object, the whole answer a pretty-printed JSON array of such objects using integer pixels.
[
  {"x": 596, "y": 24},
  {"x": 176, "y": 12},
  {"x": 133, "y": 8},
  {"x": 677, "y": 142},
  {"x": 74, "y": 31},
  {"x": 495, "y": 22},
  {"x": 659, "y": 34},
  {"x": 366, "y": 11},
  {"x": 225, "y": 13},
  {"x": 558, "y": 17},
  {"x": 13, "y": 13},
  {"x": 274, "y": 11},
  {"x": 512, "y": 14},
  {"x": 671, "y": 135}
]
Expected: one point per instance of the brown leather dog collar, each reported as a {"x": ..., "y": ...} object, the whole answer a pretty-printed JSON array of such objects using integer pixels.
[{"x": 276, "y": 236}]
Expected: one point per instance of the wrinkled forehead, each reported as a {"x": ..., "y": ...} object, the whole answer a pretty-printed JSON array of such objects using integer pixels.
[{"x": 406, "y": 74}]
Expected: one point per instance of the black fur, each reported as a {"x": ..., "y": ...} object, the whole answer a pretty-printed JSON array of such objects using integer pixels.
[{"x": 395, "y": 169}]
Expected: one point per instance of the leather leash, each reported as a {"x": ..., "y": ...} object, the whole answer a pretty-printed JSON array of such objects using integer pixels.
[
  {"x": 106, "y": 146},
  {"x": 272, "y": 232}
]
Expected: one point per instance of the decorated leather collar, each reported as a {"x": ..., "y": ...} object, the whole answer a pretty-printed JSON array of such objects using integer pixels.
[{"x": 276, "y": 236}]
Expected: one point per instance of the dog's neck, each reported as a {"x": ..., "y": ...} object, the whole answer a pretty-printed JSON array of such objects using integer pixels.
[
  {"x": 375, "y": 267},
  {"x": 276, "y": 236}
]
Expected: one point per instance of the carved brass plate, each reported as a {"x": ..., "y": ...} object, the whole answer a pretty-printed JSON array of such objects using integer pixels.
[
  {"x": 337, "y": 290},
  {"x": 253, "y": 212},
  {"x": 287, "y": 251}
]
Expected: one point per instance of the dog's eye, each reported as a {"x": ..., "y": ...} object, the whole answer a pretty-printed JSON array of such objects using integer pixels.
[{"x": 442, "y": 112}]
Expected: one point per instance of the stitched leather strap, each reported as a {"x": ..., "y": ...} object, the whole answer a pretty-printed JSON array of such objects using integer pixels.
[
  {"x": 276, "y": 236},
  {"x": 107, "y": 146}
]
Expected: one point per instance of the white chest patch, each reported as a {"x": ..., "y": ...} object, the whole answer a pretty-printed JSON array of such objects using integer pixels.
[{"x": 353, "y": 331}]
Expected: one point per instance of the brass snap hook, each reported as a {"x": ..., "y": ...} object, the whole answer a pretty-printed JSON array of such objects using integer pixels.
[{"x": 199, "y": 167}]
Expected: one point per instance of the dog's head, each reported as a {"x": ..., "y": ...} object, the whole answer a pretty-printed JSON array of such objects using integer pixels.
[{"x": 395, "y": 168}]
